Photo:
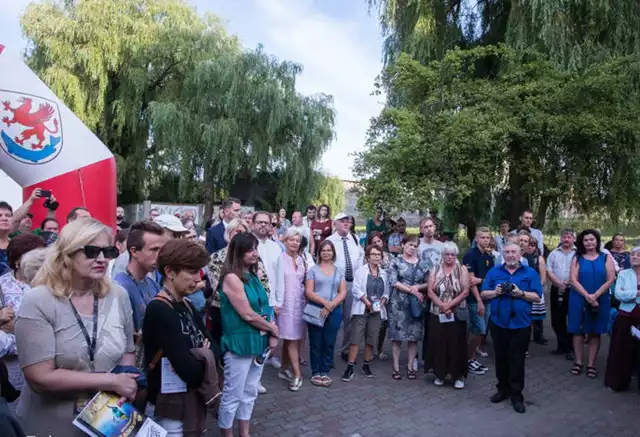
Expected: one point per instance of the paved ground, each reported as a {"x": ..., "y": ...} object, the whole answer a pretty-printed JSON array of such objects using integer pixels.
[{"x": 557, "y": 404}]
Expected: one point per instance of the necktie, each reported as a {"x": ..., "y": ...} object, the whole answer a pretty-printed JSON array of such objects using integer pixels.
[{"x": 348, "y": 268}]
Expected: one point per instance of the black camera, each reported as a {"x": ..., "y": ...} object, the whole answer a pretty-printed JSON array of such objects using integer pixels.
[{"x": 508, "y": 287}]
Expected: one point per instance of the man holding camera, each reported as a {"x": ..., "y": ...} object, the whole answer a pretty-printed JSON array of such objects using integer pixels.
[{"x": 511, "y": 288}]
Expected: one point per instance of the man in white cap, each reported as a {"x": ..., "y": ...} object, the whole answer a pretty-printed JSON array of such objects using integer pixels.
[
  {"x": 349, "y": 257},
  {"x": 173, "y": 228}
]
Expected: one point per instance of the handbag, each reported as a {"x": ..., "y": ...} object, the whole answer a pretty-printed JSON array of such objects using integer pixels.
[
  {"x": 311, "y": 311},
  {"x": 417, "y": 308}
]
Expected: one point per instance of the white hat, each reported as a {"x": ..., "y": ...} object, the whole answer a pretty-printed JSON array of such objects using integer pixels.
[
  {"x": 170, "y": 222},
  {"x": 340, "y": 216}
]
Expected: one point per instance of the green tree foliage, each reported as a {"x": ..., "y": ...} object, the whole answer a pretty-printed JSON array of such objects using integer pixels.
[
  {"x": 176, "y": 99},
  {"x": 330, "y": 191},
  {"x": 546, "y": 120},
  {"x": 526, "y": 134}
]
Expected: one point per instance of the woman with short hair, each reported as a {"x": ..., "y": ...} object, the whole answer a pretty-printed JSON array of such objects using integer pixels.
[
  {"x": 176, "y": 340},
  {"x": 370, "y": 296},
  {"x": 73, "y": 328},
  {"x": 407, "y": 276},
  {"x": 248, "y": 329},
  {"x": 291, "y": 271},
  {"x": 448, "y": 315}
]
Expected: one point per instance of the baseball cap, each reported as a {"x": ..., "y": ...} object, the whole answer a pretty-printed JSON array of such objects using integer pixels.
[
  {"x": 170, "y": 222},
  {"x": 341, "y": 216}
]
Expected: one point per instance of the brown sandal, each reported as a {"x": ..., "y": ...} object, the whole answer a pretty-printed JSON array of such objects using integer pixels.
[{"x": 592, "y": 372}]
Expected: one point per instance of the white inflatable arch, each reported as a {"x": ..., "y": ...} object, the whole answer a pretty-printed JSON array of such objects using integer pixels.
[{"x": 44, "y": 145}]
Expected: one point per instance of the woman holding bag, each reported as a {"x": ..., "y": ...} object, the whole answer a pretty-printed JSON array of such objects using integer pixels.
[
  {"x": 407, "y": 275},
  {"x": 448, "y": 290},
  {"x": 325, "y": 288},
  {"x": 370, "y": 296}
]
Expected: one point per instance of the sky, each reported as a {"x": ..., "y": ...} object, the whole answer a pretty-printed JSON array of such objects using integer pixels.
[{"x": 337, "y": 42}]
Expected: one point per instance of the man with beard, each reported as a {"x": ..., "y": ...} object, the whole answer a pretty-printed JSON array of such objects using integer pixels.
[
  {"x": 511, "y": 288},
  {"x": 311, "y": 216},
  {"x": 120, "y": 221}
]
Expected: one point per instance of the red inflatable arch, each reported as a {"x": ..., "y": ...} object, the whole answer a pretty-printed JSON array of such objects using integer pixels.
[{"x": 44, "y": 145}]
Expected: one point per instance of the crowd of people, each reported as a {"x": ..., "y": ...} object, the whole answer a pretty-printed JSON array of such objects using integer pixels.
[{"x": 180, "y": 320}]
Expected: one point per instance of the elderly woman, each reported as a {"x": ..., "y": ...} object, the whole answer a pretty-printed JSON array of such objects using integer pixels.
[
  {"x": 13, "y": 286},
  {"x": 623, "y": 349},
  {"x": 214, "y": 270},
  {"x": 370, "y": 297},
  {"x": 448, "y": 290},
  {"x": 73, "y": 328},
  {"x": 407, "y": 276},
  {"x": 291, "y": 271},
  {"x": 592, "y": 275},
  {"x": 175, "y": 338}
]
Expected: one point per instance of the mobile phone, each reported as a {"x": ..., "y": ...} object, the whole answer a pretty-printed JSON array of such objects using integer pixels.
[{"x": 45, "y": 193}]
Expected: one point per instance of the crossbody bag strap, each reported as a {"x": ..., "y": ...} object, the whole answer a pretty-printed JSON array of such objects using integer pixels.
[{"x": 333, "y": 281}]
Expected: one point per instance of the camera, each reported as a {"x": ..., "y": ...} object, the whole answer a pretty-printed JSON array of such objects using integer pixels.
[{"x": 508, "y": 287}]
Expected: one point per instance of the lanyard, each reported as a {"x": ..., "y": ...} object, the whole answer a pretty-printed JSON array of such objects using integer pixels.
[{"x": 91, "y": 342}]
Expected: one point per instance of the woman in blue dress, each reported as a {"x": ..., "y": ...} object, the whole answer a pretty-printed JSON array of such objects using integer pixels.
[{"x": 592, "y": 274}]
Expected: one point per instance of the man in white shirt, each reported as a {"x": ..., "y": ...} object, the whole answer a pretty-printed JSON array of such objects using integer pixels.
[
  {"x": 269, "y": 252},
  {"x": 502, "y": 238},
  {"x": 558, "y": 268},
  {"x": 311, "y": 215},
  {"x": 296, "y": 223},
  {"x": 526, "y": 220},
  {"x": 349, "y": 257}
]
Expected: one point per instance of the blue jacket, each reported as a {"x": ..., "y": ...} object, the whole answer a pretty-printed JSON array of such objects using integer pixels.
[{"x": 215, "y": 238}]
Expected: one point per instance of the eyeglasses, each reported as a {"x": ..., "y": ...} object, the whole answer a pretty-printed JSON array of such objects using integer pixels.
[{"x": 92, "y": 252}]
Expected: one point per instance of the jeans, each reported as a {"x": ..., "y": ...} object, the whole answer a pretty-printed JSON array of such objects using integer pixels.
[
  {"x": 241, "y": 379},
  {"x": 322, "y": 342}
]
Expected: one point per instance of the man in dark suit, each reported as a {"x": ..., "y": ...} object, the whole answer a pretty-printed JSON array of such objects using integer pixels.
[{"x": 215, "y": 235}]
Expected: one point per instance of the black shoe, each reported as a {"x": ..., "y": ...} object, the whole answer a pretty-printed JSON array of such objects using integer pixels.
[
  {"x": 366, "y": 371},
  {"x": 541, "y": 341},
  {"x": 518, "y": 405},
  {"x": 348, "y": 374},
  {"x": 498, "y": 397}
]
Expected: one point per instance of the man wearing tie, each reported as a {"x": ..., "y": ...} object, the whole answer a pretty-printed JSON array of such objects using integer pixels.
[{"x": 349, "y": 257}]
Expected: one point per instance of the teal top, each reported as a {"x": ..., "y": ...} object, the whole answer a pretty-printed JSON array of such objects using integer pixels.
[{"x": 239, "y": 337}]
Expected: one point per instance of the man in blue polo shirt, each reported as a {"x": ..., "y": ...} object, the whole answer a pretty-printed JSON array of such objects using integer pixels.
[
  {"x": 511, "y": 288},
  {"x": 478, "y": 260}
]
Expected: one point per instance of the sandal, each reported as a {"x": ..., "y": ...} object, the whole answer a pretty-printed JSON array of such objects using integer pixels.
[
  {"x": 411, "y": 374},
  {"x": 591, "y": 372},
  {"x": 396, "y": 375},
  {"x": 576, "y": 369}
]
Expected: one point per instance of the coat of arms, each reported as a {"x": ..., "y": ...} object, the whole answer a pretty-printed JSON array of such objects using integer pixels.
[{"x": 30, "y": 127}]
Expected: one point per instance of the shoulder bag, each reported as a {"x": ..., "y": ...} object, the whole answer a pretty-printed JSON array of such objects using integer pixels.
[
  {"x": 417, "y": 308},
  {"x": 311, "y": 311}
]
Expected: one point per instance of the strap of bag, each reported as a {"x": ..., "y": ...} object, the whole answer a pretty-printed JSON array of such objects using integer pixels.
[
  {"x": 156, "y": 358},
  {"x": 333, "y": 280}
]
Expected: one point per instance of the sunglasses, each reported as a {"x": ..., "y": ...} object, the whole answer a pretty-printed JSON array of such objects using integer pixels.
[
  {"x": 92, "y": 252},
  {"x": 274, "y": 224}
]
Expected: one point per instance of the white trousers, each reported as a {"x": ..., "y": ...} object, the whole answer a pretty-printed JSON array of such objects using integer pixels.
[
  {"x": 173, "y": 427},
  {"x": 241, "y": 379}
]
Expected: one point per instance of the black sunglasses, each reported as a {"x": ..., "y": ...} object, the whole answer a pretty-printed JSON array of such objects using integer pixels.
[{"x": 92, "y": 252}]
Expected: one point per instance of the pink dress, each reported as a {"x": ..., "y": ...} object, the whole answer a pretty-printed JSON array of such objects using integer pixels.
[{"x": 290, "y": 324}]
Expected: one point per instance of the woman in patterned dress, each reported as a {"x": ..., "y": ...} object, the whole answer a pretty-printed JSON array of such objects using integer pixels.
[
  {"x": 291, "y": 271},
  {"x": 408, "y": 278}
]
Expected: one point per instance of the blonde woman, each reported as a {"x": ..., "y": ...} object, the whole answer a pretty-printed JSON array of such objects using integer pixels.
[
  {"x": 73, "y": 328},
  {"x": 291, "y": 270}
]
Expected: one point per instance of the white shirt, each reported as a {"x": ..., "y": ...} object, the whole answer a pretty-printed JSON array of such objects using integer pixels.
[
  {"x": 559, "y": 263},
  {"x": 269, "y": 252},
  {"x": 537, "y": 234},
  {"x": 306, "y": 222},
  {"x": 356, "y": 254}
]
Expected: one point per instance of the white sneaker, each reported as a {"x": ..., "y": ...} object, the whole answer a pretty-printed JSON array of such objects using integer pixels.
[
  {"x": 274, "y": 362},
  {"x": 459, "y": 384},
  {"x": 438, "y": 382},
  {"x": 285, "y": 375},
  {"x": 261, "y": 389}
]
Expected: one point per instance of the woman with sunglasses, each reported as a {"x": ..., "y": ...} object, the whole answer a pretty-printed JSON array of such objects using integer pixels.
[{"x": 73, "y": 328}]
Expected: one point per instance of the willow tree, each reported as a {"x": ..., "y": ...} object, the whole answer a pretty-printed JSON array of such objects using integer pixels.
[
  {"x": 108, "y": 60},
  {"x": 330, "y": 192},
  {"x": 574, "y": 38},
  {"x": 240, "y": 113}
]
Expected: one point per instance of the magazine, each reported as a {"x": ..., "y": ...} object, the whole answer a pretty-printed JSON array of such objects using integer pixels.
[{"x": 104, "y": 417}]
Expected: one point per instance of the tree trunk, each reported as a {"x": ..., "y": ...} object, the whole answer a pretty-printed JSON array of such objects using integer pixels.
[{"x": 545, "y": 202}]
